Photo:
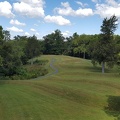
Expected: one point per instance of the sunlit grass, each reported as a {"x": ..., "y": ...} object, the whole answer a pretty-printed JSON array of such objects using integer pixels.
[{"x": 77, "y": 92}]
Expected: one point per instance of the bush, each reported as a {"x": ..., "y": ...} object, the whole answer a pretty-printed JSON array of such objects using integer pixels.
[
  {"x": 21, "y": 71},
  {"x": 4, "y": 78},
  {"x": 15, "y": 77},
  {"x": 36, "y": 73},
  {"x": 39, "y": 62},
  {"x": 28, "y": 71}
]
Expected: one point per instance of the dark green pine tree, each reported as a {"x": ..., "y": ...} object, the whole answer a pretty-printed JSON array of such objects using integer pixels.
[{"x": 104, "y": 49}]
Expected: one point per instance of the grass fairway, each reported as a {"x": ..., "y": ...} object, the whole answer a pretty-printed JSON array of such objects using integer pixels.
[{"x": 77, "y": 92}]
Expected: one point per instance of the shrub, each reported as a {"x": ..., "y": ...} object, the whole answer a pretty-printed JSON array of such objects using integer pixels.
[
  {"x": 28, "y": 71},
  {"x": 39, "y": 62}
]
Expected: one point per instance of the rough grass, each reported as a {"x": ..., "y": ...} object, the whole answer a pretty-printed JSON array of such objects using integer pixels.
[{"x": 77, "y": 92}]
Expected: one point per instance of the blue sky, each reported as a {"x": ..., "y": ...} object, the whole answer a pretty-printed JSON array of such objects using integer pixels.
[{"x": 41, "y": 17}]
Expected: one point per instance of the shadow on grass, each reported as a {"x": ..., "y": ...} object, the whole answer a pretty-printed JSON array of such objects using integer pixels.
[
  {"x": 113, "y": 107},
  {"x": 91, "y": 68},
  {"x": 95, "y": 69}
]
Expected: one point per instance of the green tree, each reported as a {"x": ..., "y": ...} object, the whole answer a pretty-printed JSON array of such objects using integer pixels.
[
  {"x": 104, "y": 49},
  {"x": 68, "y": 46},
  {"x": 1, "y": 33},
  {"x": 59, "y": 42},
  {"x": 49, "y": 44},
  {"x": 80, "y": 45},
  {"x": 6, "y": 35},
  {"x": 75, "y": 48},
  {"x": 1, "y": 42},
  {"x": 10, "y": 61},
  {"x": 54, "y": 43},
  {"x": 19, "y": 44},
  {"x": 32, "y": 48}
]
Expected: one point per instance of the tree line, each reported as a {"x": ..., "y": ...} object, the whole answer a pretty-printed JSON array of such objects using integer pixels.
[
  {"x": 103, "y": 48},
  {"x": 16, "y": 53}
]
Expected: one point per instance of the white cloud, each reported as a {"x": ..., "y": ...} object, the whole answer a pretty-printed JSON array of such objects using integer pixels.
[
  {"x": 38, "y": 3},
  {"x": 35, "y": 24},
  {"x": 95, "y": 1},
  {"x": 33, "y": 30},
  {"x": 84, "y": 12},
  {"x": 57, "y": 19},
  {"x": 81, "y": 4},
  {"x": 37, "y": 33},
  {"x": 5, "y": 9},
  {"x": 27, "y": 34},
  {"x": 108, "y": 9},
  {"x": 14, "y": 29},
  {"x": 16, "y": 22},
  {"x": 68, "y": 11},
  {"x": 30, "y": 8},
  {"x": 66, "y": 33},
  {"x": 65, "y": 4},
  {"x": 111, "y": 2}
]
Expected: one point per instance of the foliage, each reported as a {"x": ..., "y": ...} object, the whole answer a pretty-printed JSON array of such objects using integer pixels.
[
  {"x": 104, "y": 49},
  {"x": 32, "y": 48},
  {"x": 35, "y": 70},
  {"x": 29, "y": 71},
  {"x": 19, "y": 44},
  {"x": 1, "y": 33},
  {"x": 6, "y": 35},
  {"x": 80, "y": 44},
  {"x": 100, "y": 48},
  {"x": 54, "y": 43},
  {"x": 68, "y": 46},
  {"x": 9, "y": 60},
  {"x": 40, "y": 62},
  {"x": 16, "y": 53},
  {"x": 113, "y": 106}
]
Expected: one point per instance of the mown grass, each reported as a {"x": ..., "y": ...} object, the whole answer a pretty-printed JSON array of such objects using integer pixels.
[{"x": 77, "y": 92}]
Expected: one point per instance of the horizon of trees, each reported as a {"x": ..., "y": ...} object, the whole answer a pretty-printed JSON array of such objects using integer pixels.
[{"x": 103, "y": 48}]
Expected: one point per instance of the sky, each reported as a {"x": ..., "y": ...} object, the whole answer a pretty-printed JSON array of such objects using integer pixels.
[{"x": 42, "y": 17}]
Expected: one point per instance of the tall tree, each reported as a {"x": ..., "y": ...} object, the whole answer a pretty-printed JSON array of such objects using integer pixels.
[
  {"x": 32, "y": 48},
  {"x": 49, "y": 44},
  {"x": 6, "y": 35},
  {"x": 104, "y": 49},
  {"x": 59, "y": 41},
  {"x": 1, "y": 33},
  {"x": 80, "y": 44},
  {"x": 68, "y": 46},
  {"x": 10, "y": 60},
  {"x": 1, "y": 42},
  {"x": 54, "y": 43}
]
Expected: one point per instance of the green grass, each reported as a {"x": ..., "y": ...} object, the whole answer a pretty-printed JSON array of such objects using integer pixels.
[{"x": 78, "y": 92}]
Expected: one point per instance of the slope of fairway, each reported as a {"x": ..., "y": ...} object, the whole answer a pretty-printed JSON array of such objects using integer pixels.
[{"x": 77, "y": 91}]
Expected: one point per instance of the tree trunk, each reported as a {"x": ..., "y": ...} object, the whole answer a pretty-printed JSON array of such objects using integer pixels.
[
  {"x": 103, "y": 67},
  {"x": 84, "y": 55},
  {"x": 32, "y": 61},
  {"x": 79, "y": 53}
]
